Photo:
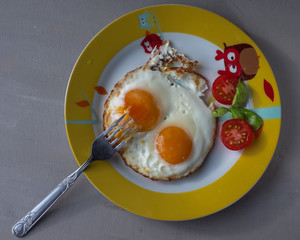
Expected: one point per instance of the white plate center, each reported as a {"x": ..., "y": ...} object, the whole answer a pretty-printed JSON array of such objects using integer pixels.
[{"x": 219, "y": 160}]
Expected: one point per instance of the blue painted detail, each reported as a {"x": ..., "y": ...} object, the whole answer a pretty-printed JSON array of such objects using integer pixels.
[
  {"x": 264, "y": 113},
  {"x": 160, "y": 32},
  {"x": 91, "y": 107},
  {"x": 94, "y": 121},
  {"x": 145, "y": 21},
  {"x": 268, "y": 112}
]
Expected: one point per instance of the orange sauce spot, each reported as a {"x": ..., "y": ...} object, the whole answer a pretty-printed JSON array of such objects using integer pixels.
[
  {"x": 174, "y": 145},
  {"x": 142, "y": 108}
]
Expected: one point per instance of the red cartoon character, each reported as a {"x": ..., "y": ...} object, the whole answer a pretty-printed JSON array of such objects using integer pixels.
[
  {"x": 240, "y": 60},
  {"x": 150, "y": 41}
]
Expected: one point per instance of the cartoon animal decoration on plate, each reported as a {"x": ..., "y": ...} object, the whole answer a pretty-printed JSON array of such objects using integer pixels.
[
  {"x": 151, "y": 41},
  {"x": 240, "y": 60},
  {"x": 146, "y": 20}
]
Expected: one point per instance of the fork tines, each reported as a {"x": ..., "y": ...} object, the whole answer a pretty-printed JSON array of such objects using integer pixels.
[{"x": 129, "y": 128}]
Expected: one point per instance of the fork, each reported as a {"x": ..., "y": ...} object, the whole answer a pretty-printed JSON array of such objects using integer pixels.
[{"x": 103, "y": 148}]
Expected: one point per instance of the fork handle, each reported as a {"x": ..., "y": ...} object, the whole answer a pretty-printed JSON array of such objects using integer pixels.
[{"x": 32, "y": 217}]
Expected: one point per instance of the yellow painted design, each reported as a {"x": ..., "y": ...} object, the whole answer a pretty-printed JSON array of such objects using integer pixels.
[{"x": 176, "y": 206}]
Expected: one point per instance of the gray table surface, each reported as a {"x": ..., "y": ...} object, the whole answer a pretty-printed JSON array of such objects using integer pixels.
[{"x": 39, "y": 44}]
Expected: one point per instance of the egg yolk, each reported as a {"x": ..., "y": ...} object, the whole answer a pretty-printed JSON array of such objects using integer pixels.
[
  {"x": 174, "y": 145},
  {"x": 142, "y": 108}
]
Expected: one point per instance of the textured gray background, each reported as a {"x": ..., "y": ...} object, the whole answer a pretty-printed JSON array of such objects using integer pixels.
[{"x": 39, "y": 44}]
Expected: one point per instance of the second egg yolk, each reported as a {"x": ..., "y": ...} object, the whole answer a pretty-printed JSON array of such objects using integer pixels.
[
  {"x": 174, "y": 145},
  {"x": 142, "y": 108}
]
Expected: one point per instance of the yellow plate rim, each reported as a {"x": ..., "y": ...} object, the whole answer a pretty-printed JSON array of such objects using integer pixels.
[{"x": 208, "y": 195}]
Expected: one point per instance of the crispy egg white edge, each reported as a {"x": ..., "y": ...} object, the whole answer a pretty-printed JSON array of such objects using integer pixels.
[{"x": 158, "y": 84}]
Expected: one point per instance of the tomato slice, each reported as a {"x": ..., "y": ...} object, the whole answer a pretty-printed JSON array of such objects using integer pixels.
[
  {"x": 236, "y": 134},
  {"x": 224, "y": 88}
]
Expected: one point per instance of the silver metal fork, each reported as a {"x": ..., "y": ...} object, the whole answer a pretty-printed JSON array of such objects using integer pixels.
[{"x": 103, "y": 148}]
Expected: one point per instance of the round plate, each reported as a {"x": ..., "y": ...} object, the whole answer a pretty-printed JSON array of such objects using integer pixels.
[{"x": 201, "y": 35}]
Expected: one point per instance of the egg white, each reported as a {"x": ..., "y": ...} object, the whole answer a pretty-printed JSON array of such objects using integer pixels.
[{"x": 179, "y": 106}]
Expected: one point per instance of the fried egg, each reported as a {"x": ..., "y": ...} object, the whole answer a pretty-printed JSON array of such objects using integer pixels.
[{"x": 177, "y": 127}]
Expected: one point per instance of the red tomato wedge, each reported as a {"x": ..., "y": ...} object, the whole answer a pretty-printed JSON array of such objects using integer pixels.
[
  {"x": 224, "y": 88},
  {"x": 236, "y": 134}
]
